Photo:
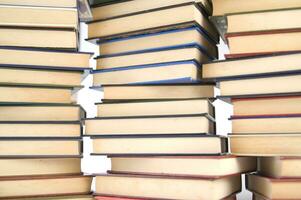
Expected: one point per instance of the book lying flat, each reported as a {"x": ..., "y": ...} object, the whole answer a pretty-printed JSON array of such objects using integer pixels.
[
  {"x": 165, "y": 187},
  {"x": 54, "y": 197},
  {"x": 48, "y": 147},
  {"x": 188, "y": 15},
  {"x": 46, "y": 3},
  {"x": 281, "y": 84},
  {"x": 266, "y": 145},
  {"x": 280, "y": 167},
  {"x": 21, "y": 16},
  {"x": 175, "y": 91},
  {"x": 154, "y": 107},
  {"x": 188, "y": 53},
  {"x": 43, "y": 59},
  {"x": 161, "y": 40},
  {"x": 27, "y": 94},
  {"x": 274, "y": 188},
  {"x": 40, "y": 129},
  {"x": 41, "y": 112},
  {"x": 39, "y": 166},
  {"x": 111, "y": 197},
  {"x": 253, "y": 66},
  {"x": 266, "y": 106},
  {"x": 150, "y": 125},
  {"x": 35, "y": 37},
  {"x": 196, "y": 166},
  {"x": 222, "y": 7},
  {"x": 159, "y": 145},
  {"x": 177, "y": 72},
  {"x": 123, "y": 8},
  {"x": 36, "y": 186},
  {"x": 24, "y": 76}
]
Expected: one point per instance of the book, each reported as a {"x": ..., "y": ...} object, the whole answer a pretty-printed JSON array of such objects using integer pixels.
[
  {"x": 41, "y": 112},
  {"x": 252, "y": 66},
  {"x": 196, "y": 166},
  {"x": 190, "y": 53},
  {"x": 267, "y": 106},
  {"x": 121, "y": 8},
  {"x": 40, "y": 129},
  {"x": 54, "y": 197},
  {"x": 266, "y": 145},
  {"x": 23, "y": 76},
  {"x": 44, "y": 59},
  {"x": 178, "y": 72},
  {"x": 266, "y": 124},
  {"x": 34, "y": 147},
  {"x": 175, "y": 91},
  {"x": 33, "y": 37},
  {"x": 188, "y": 15},
  {"x": 274, "y": 188},
  {"x": 30, "y": 94},
  {"x": 165, "y": 187},
  {"x": 256, "y": 196},
  {"x": 277, "y": 41},
  {"x": 33, "y": 16},
  {"x": 39, "y": 166},
  {"x": 273, "y": 20},
  {"x": 222, "y": 7},
  {"x": 46, "y": 3},
  {"x": 159, "y": 145},
  {"x": 35, "y": 186},
  {"x": 169, "y": 39},
  {"x": 280, "y": 167},
  {"x": 154, "y": 107},
  {"x": 261, "y": 86},
  {"x": 151, "y": 125}
]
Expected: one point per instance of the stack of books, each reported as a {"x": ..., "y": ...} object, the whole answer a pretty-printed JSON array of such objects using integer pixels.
[
  {"x": 40, "y": 125},
  {"x": 156, "y": 120},
  {"x": 263, "y": 84}
]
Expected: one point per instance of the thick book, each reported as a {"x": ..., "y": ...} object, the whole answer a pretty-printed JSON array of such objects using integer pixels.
[
  {"x": 271, "y": 85},
  {"x": 175, "y": 72},
  {"x": 266, "y": 124},
  {"x": 38, "y": 94},
  {"x": 253, "y": 66},
  {"x": 150, "y": 125},
  {"x": 37, "y": 186},
  {"x": 266, "y": 144},
  {"x": 39, "y": 166},
  {"x": 154, "y": 107},
  {"x": 36, "y": 147},
  {"x": 188, "y": 15},
  {"x": 23, "y": 76},
  {"x": 222, "y": 7},
  {"x": 102, "y": 10},
  {"x": 44, "y": 3},
  {"x": 35, "y": 38},
  {"x": 40, "y": 129},
  {"x": 167, "y": 187},
  {"x": 190, "y": 166},
  {"x": 290, "y": 105},
  {"x": 169, "y": 39},
  {"x": 165, "y": 91},
  {"x": 180, "y": 54},
  {"x": 41, "y": 112},
  {"x": 33, "y": 16},
  {"x": 160, "y": 145},
  {"x": 280, "y": 167},
  {"x": 43, "y": 59},
  {"x": 274, "y": 188}
]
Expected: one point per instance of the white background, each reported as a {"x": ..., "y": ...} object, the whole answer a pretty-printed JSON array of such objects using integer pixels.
[{"x": 87, "y": 98}]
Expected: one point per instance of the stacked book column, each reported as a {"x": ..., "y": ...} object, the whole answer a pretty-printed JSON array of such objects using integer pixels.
[{"x": 40, "y": 123}]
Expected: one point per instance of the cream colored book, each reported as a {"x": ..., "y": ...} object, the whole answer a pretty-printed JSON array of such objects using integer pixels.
[
  {"x": 198, "y": 166},
  {"x": 26, "y": 16},
  {"x": 67, "y": 197},
  {"x": 165, "y": 187},
  {"x": 39, "y": 166},
  {"x": 46, "y": 3}
]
